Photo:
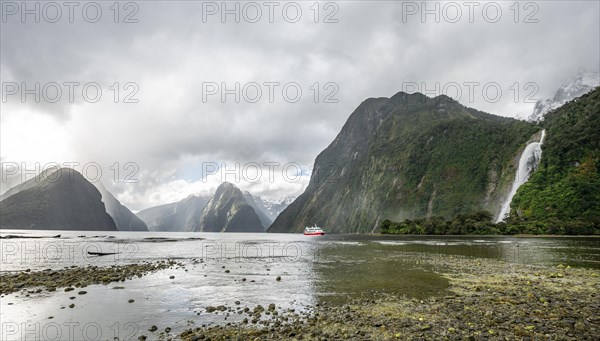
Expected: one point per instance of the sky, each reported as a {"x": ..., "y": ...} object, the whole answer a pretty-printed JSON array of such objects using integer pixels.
[{"x": 163, "y": 99}]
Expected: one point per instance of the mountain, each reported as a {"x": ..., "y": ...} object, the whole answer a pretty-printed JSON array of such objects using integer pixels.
[
  {"x": 584, "y": 82},
  {"x": 275, "y": 207},
  {"x": 123, "y": 217},
  {"x": 406, "y": 157},
  {"x": 59, "y": 200},
  {"x": 17, "y": 184},
  {"x": 259, "y": 208},
  {"x": 267, "y": 210},
  {"x": 228, "y": 211},
  {"x": 566, "y": 186},
  {"x": 8, "y": 181},
  {"x": 182, "y": 216}
]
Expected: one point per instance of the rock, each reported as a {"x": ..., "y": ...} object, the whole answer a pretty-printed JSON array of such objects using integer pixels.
[
  {"x": 153, "y": 328},
  {"x": 71, "y": 305},
  {"x": 82, "y": 292},
  {"x": 278, "y": 279},
  {"x": 210, "y": 309},
  {"x": 131, "y": 300},
  {"x": 171, "y": 277}
]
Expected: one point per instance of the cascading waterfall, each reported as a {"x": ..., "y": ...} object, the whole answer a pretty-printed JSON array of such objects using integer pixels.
[{"x": 528, "y": 163}]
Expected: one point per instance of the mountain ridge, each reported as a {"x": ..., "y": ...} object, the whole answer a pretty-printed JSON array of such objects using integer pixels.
[
  {"x": 391, "y": 159},
  {"x": 228, "y": 211},
  {"x": 180, "y": 216},
  {"x": 60, "y": 200},
  {"x": 123, "y": 217},
  {"x": 582, "y": 83},
  {"x": 566, "y": 186}
]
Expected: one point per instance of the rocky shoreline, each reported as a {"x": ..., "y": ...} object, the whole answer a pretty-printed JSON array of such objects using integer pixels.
[
  {"x": 74, "y": 276},
  {"x": 487, "y": 299}
]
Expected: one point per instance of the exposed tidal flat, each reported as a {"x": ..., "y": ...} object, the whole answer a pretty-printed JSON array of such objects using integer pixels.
[
  {"x": 247, "y": 286},
  {"x": 484, "y": 299}
]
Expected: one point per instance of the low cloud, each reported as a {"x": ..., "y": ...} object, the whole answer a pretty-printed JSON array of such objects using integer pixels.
[{"x": 163, "y": 63}]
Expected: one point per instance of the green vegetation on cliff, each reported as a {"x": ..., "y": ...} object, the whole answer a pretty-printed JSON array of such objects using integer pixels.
[
  {"x": 565, "y": 190},
  {"x": 561, "y": 197},
  {"x": 481, "y": 223},
  {"x": 477, "y": 223},
  {"x": 408, "y": 157}
]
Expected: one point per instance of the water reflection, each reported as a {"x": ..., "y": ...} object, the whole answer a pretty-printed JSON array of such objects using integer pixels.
[
  {"x": 364, "y": 270},
  {"x": 221, "y": 269}
]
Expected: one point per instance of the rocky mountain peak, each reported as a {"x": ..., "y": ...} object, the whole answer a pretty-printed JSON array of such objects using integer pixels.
[{"x": 582, "y": 83}]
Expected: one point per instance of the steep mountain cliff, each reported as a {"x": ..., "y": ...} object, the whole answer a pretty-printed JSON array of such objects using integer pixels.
[
  {"x": 61, "y": 200},
  {"x": 260, "y": 209},
  {"x": 409, "y": 156},
  {"x": 566, "y": 186},
  {"x": 18, "y": 184},
  {"x": 182, "y": 216},
  {"x": 123, "y": 217},
  {"x": 228, "y": 211}
]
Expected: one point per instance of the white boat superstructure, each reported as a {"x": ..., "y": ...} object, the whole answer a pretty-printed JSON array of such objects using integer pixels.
[{"x": 313, "y": 231}]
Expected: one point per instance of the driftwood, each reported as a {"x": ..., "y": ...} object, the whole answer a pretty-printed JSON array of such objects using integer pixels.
[
  {"x": 13, "y": 236},
  {"x": 101, "y": 253}
]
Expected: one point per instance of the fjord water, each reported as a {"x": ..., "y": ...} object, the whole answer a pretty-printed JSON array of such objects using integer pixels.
[{"x": 312, "y": 270}]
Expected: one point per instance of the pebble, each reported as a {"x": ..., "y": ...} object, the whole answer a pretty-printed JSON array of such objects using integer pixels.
[{"x": 484, "y": 302}]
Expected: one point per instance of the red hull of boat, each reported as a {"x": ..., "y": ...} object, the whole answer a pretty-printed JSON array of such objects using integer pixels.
[{"x": 315, "y": 234}]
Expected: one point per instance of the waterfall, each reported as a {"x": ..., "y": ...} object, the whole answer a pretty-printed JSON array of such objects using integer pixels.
[{"x": 528, "y": 163}]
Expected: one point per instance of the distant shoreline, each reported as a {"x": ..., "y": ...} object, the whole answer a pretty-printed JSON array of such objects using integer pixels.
[{"x": 492, "y": 235}]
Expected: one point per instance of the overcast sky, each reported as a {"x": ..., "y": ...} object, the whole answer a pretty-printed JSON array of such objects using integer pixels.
[{"x": 173, "y": 53}]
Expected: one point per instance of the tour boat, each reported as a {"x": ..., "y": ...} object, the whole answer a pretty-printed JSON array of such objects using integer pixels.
[{"x": 313, "y": 231}]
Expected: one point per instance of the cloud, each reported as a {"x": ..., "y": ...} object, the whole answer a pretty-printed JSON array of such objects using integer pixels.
[{"x": 165, "y": 59}]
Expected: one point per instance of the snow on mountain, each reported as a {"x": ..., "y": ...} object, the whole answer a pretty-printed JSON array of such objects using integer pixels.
[
  {"x": 270, "y": 207},
  {"x": 584, "y": 82}
]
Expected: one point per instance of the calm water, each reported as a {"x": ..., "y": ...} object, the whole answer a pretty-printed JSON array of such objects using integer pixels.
[{"x": 313, "y": 269}]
